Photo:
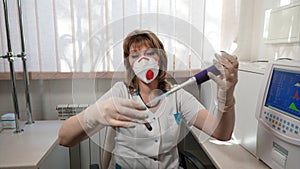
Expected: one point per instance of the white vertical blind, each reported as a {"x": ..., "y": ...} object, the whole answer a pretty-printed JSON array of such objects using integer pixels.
[
  {"x": 46, "y": 35},
  {"x": 31, "y": 35},
  {"x": 14, "y": 31},
  {"x": 2, "y": 46},
  {"x": 86, "y": 35},
  {"x": 64, "y": 33}
]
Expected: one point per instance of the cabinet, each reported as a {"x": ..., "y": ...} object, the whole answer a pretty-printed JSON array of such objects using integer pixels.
[
  {"x": 246, "y": 94},
  {"x": 283, "y": 25},
  {"x": 58, "y": 158},
  {"x": 35, "y": 147}
]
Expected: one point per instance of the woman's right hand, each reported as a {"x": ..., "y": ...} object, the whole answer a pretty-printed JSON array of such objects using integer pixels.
[
  {"x": 118, "y": 112},
  {"x": 121, "y": 112}
]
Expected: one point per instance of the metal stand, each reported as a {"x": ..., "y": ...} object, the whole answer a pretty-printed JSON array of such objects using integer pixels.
[
  {"x": 14, "y": 93},
  {"x": 23, "y": 56},
  {"x": 10, "y": 57}
]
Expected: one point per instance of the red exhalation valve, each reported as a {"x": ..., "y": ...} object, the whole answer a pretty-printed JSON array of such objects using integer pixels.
[{"x": 149, "y": 74}]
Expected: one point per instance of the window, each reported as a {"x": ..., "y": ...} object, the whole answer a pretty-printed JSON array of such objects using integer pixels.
[{"x": 86, "y": 35}]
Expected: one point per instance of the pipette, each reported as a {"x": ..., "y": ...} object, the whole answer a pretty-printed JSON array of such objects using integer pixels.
[{"x": 198, "y": 78}]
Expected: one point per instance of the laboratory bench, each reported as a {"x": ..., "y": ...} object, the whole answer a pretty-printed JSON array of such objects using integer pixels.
[
  {"x": 226, "y": 154},
  {"x": 35, "y": 147}
]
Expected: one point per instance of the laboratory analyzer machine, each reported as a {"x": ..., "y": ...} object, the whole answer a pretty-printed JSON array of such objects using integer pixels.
[{"x": 278, "y": 115}]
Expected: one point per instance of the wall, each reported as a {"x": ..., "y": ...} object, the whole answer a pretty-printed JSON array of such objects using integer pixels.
[
  {"x": 47, "y": 94},
  {"x": 250, "y": 37}
]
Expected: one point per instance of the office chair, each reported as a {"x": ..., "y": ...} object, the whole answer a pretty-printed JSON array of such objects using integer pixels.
[
  {"x": 187, "y": 160},
  {"x": 186, "y": 157}
]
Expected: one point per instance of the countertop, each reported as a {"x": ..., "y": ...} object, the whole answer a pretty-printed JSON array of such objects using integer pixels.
[
  {"x": 27, "y": 150},
  {"x": 227, "y": 155},
  {"x": 253, "y": 67}
]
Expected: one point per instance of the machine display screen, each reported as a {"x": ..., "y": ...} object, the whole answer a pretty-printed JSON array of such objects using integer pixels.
[{"x": 284, "y": 92}]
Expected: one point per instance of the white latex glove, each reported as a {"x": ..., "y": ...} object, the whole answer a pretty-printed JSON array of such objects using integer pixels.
[
  {"x": 228, "y": 66},
  {"x": 115, "y": 111}
]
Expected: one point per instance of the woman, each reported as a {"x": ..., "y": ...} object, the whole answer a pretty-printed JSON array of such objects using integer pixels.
[{"x": 125, "y": 107}]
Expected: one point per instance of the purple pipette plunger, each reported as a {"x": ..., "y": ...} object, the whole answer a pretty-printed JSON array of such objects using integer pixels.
[{"x": 203, "y": 77}]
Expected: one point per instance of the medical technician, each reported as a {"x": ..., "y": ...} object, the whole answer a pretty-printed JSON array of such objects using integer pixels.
[{"x": 125, "y": 108}]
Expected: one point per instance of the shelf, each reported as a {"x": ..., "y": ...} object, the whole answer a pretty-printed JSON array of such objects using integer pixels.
[{"x": 85, "y": 75}]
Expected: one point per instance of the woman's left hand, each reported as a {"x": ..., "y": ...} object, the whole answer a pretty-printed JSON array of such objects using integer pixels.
[{"x": 228, "y": 66}]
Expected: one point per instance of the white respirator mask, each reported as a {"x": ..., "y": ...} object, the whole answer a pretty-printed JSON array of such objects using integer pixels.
[{"x": 146, "y": 69}]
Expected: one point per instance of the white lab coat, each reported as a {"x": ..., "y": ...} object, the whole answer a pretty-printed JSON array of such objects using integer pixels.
[{"x": 137, "y": 147}]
